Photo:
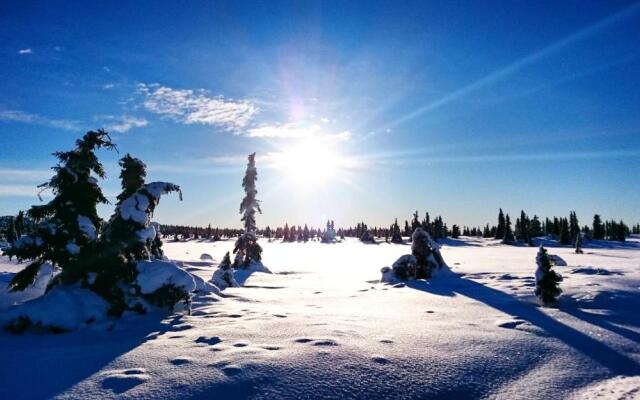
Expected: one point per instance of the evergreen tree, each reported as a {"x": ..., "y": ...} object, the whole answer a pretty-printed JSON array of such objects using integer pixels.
[
  {"x": 396, "y": 237},
  {"x": 563, "y": 237},
  {"x": 508, "y": 233},
  {"x": 535, "y": 228},
  {"x": 11, "y": 233},
  {"x": 223, "y": 276},
  {"x": 598, "y": 230},
  {"x": 455, "y": 231},
  {"x": 574, "y": 226},
  {"x": 132, "y": 176},
  {"x": 247, "y": 249},
  {"x": 19, "y": 224},
  {"x": 500, "y": 231},
  {"x": 547, "y": 280},
  {"x": 68, "y": 225}
]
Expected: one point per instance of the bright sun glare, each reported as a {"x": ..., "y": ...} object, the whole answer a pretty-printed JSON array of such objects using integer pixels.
[{"x": 310, "y": 163}]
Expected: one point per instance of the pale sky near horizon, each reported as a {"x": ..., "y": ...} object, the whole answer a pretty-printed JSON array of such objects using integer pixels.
[{"x": 358, "y": 111}]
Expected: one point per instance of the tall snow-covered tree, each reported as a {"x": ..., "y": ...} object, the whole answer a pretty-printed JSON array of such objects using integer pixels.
[
  {"x": 67, "y": 226},
  {"x": 247, "y": 249},
  {"x": 547, "y": 280}
]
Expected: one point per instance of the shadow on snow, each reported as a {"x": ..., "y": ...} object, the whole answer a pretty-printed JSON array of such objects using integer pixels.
[{"x": 614, "y": 361}]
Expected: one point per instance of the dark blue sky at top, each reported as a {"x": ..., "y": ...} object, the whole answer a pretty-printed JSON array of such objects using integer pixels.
[{"x": 456, "y": 107}]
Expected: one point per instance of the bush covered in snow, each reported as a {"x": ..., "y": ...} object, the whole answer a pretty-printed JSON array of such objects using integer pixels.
[
  {"x": 223, "y": 276},
  {"x": 547, "y": 280},
  {"x": 425, "y": 258}
]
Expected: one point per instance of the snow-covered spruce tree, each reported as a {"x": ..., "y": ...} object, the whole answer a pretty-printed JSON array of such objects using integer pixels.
[
  {"x": 547, "y": 280},
  {"x": 579, "y": 243},
  {"x": 223, "y": 276},
  {"x": 67, "y": 227},
  {"x": 247, "y": 249},
  {"x": 129, "y": 241}
]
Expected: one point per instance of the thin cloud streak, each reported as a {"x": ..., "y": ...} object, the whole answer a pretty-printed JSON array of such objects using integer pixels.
[
  {"x": 28, "y": 118},
  {"x": 510, "y": 69}
]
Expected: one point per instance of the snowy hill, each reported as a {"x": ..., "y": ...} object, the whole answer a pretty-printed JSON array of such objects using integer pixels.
[{"x": 322, "y": 326}]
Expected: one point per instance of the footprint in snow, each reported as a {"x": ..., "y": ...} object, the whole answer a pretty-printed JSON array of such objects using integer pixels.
[
  {"x": 303, "y": 340},
  {"x": 388, "y": 341},
  {"x": 379, "y": 359},
  {"x": 231, "y": 370},
  {"x": 240, "y": 344},
  {"x": 510, "y": 324},
  {"x": 271, "y": 347},
  {"x": 181, "y": 327},
  {"x": 211, "y": 341},
  {"x": 120, "y": 381},
  {"x": 280, "y": 315},
  {"x": 181, "y": 360},
  {"x": 325, "y": 342}
]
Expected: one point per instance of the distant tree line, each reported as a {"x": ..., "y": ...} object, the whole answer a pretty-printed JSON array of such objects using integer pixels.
[{"x": 525, "y": 228}]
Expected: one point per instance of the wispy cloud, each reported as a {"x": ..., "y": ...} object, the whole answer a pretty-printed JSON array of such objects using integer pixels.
[
  {"x": 25, "y": 51},
  {"x": 197, "y": 107},
  {"x": 29, "y": 118},
  {"x": 108, "y": 86},
  {"x": 297, "y": 130},
  {"x": 18, "y": 190},
  {"x": 122, "y": 123},
  {"x": 23, "y": 175}
]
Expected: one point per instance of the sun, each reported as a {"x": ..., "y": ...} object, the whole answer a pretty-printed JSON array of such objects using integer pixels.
[{"x": 310, "y": 162}]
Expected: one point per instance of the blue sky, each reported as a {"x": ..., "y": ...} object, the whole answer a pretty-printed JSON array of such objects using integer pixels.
[{"x": 357, "y": 110}]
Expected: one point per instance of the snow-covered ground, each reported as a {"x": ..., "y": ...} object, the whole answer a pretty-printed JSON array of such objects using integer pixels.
[{"x": 321, "y": 326}]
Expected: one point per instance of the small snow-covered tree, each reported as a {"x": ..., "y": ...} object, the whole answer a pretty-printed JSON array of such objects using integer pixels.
[
  {"x": 427, "y": 253},
  {"x": 130, "y": 238},
  {"x": 424, "y": 259},
  {"x": 247, "y": 249},
  {"x": 223, "y": 276},
  {"x": 67, "y": 226},
  {"x": 547, "y": 280},
  {"x": 579, "y": 243}
]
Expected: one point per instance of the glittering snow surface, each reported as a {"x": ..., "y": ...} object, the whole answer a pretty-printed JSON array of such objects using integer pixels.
[{"x": 322, "y": 326}]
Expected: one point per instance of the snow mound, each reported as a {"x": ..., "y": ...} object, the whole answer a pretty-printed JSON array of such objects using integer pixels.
[
  {"x": 62, "y": 308},
  {"x": 203, "y": 286},
  {"x": 152, "y": 275},
  {"x": 557, "y": 260},
  {"x": 205, "y": 256}
]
